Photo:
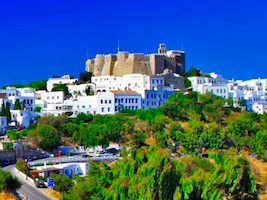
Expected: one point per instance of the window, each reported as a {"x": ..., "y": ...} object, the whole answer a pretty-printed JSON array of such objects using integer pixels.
[
  {"x": 108, "y": 109},
  {"x": 101, "y": 101},
  {"x": 106, "y": 101},
  {"x": 136, "y": 100},
  {"x": 102, "y": 109},
  {"x": 109, "y": 101}
]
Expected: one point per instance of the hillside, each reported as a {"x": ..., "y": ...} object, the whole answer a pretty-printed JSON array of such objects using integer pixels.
[{"x": 169, "y": 146}]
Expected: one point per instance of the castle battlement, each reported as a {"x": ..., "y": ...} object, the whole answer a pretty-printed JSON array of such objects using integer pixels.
[{"x": 137, "y": 63}]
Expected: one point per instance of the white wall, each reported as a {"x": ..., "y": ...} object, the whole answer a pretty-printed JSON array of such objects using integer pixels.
[
  {"x": 80, "y": 89},
  {"x": 63, "y": 80},
  {"x": 3, "y": 124}
]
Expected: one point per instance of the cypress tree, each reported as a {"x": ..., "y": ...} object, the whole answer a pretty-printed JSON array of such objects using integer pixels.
[
  {"x": 3, "y": 110},
  {"x": 7, "y": 112},
  {"x": 17, "y": 105}
]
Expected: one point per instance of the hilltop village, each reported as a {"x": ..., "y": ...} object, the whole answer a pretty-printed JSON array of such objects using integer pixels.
[
  {"x": 142, "y": 117},
  {"x": 123, "y": 81}
]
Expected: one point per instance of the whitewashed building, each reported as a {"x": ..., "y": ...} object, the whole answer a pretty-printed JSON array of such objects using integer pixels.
[
  {"x": 253, "y": 91},
  {"x": 126, "y": 99},
  {"x": 80, "y": 90},
  {"x": 141, "y": 84},
  {"x": 66, "y": 79},
  {"x": 26, "y": 98},
  {"x": 259, "y": 108},
  {"x": 214, "y": 84}
]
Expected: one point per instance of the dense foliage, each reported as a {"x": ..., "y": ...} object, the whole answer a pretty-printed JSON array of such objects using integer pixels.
[
  {"x": 38, "y": 85},
  {"x": 167, "y": 144},
  {"x": 150, "y": 173},
  {"x": 7, "y": 182}
]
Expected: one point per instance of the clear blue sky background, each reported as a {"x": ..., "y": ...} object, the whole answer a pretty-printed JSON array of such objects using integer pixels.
[{"x": 41, "y": 38}]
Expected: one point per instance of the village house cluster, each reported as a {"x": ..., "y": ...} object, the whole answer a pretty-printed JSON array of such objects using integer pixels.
[
  {"x": 148, "y": 83},
  {"x": 250, "y": 94},
  {"x": 108, "y": 95}
]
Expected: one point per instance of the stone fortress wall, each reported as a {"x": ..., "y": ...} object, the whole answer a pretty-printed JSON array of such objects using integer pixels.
[{"x": 137, "y": 63}]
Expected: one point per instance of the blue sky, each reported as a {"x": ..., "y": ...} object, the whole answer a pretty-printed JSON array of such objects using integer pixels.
[{"x": 41, "y": 38}]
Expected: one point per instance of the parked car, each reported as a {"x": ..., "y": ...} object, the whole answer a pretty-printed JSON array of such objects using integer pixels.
[
  {"x": 59, "y": 153},
  {"x": 40, "y": 184},
  {"x": 86, "y": 156},
  {"x": 113, "y": 151}
]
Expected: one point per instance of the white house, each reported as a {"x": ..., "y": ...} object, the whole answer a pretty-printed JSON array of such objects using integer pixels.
[
  {"x": 26, "y": 97},
  {"x": 66, "y": 79},
  {"x": 259, "y": 108},
  {"x": 126, "y": 99},
  {"x": 215, "y": 84},
  {"x": 21, "y": 117},
  {"x": 69, "y": 169},
  {"x": 253, "y": 91},
  {"x": 84, "y": 104},
  {"x": 136, "y": 82},
  {"x": 155, "y": 98}
]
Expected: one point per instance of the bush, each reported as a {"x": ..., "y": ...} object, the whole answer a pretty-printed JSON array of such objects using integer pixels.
[
  {"x": 62, "y": 183},
  {"x": 7, "y": 182},
  {"x": 22, "y": 166}
]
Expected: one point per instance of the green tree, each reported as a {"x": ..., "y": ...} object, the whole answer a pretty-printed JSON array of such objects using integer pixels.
[
  {"x": 212, "y": 137},
  {"x": 17, "y": 105},
  {"x": 14, "y": 134},
  {"x": 62, "y": 183},
  {"x": 61, "y": 87},
  {"x": 7, "y": 112},
  {"x": 187, "y": 83},
  {"x": 22, "y": 166},
  {"x": 242, "y": 102},
  {"x": 193, "y": 72},
  {"x": 38, "y": 109},
  {"x": 85, "y": 77},
  {"x": 89, "y": 91},
  {"x": 48, "y": 136},
  {"x": 138, "y": 138},
  {"x": 84, "y": 118},
  {"x": 3, "y": 110},
  {"x": 7, "y": 182}
]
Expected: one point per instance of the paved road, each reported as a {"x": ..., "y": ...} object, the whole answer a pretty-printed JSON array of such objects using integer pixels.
[
  {"x": 70, "y": 159},
  {"x": 27, "y": 190}
]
